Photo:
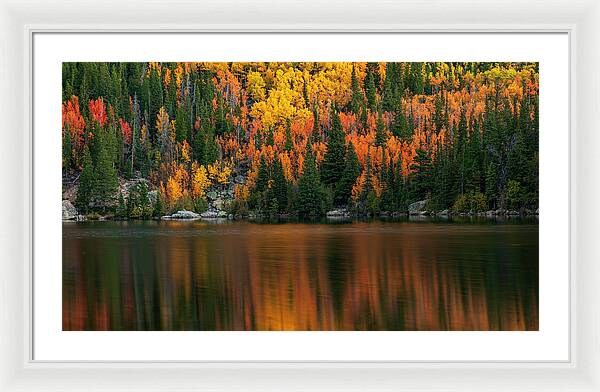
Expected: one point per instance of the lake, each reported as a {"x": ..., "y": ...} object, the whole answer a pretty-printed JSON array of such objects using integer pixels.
[{"x": 375, "y": 275}]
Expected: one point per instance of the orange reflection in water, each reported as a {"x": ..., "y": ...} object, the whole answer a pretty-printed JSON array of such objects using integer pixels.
[{"x": 243, "y": 276}]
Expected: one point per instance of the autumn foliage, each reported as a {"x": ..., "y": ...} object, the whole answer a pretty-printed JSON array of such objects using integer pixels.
[{"x": 431, "y": 131}]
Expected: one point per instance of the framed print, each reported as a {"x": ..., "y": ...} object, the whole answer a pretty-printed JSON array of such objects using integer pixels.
[
  {"x": 232, "y": 206},
  {"x": 252, "y": 198}
]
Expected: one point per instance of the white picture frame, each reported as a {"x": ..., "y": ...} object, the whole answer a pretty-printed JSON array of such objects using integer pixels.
[{"x": 19, "y": 20}]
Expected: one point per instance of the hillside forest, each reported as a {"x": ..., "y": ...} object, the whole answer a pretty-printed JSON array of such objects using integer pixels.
[{"x": 299, "y": 139}]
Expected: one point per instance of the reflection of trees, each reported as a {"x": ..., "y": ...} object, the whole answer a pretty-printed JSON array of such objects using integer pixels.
[{"x": 374, "y": 276}]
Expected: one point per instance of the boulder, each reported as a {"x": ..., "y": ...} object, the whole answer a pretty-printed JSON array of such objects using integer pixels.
[
  {"x": 213, "y": 214},
  {"x": 212, "y": 195},
  {"x": 69, "y": 212},
  {"x": 218, "y": 203},
  {"x": 443, "y": 213},
  {"x": 337, "y": 213},
  {"x": 417, "y": 207},
  {"x": 183, "y": 215},
  {"x": 152, "y": 196}
]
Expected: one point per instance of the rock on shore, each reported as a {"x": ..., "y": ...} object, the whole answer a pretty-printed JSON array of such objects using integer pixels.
[
  {"x": 213, "y": 214},
  {"x": 182, "y": 215},
  {"x": 341, "y": 213},
  {"x": 69, "y": 212},
  {"x": 417, "y": 208}
]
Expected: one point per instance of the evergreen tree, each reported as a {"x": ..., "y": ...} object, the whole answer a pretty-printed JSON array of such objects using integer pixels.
[
  {"x": 263, "y": 175},
  {"x": 171, "y": 96},
  {"x": 309, "y": 203},
  {"x": 211, "y": 149},
  {"x": 343, "y": 190},
  {"x": 121, "y": 208},
  {"x": 333, "y": 162},
  {"x": 421, "y": 184},
  {"x": 380, "y": 133},
  {"x": 280, "y": 187},
  {"x": 159, "y": 209},
  {"x": 106, "y": 182},
  {"x": 155, "y": 101},
  {"x": 357, "y": 101},
  {"x": 182, "y": 124},
  {"x": 305, "y": 95},
  {"x": 66, "y": 151},
  {"x": 199, "y": 145},
  {"x": 393, "y": 87},
  {"x": 316, "y": 134},
  {"x": 86, "y": 183},
  {"x": 370, "y": 90},
  {"x": 400, "y": 193},
  {"x": 388, "y": 174}
]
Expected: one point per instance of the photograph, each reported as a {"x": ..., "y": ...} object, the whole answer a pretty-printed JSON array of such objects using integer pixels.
[{"x": 299, "y": 196}]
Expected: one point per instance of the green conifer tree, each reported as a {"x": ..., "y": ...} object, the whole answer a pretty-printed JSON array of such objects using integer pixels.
[
  {"x": 106, "y": 181},
  {"x": 280, "y": 187},
  {"x": 309, "y": 203},
  {"x": 380, "y": 132},
  {"x": 333, "y": 162},
  {"x": 370, "y": 90},
  {"x": 343, "y": 190},
  {"x": 86, "y": 183}
]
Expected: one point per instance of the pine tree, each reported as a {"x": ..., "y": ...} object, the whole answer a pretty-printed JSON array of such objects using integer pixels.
[
  {"x": 121, "y": 208},
  {"x": 279, "y": 186},
  {"x": 421, "y": 177},
  {"x": 357, "y": 101},
  {"x": 86, "y": 183},
  {"x": 106, "y": 182},
  {"x": 309, "y": 203},
  {"x": 211, "y": 149},
  {"x": 263, "y": 176},
  {"x": 343, "y": 190},
  {"x": 171, "y": 96},
  {"x": 393, "y": 87},
  {"x": 400, "y": 192},
  {"x": 380, "y": 133},
  {"x": 66, "y": 150},
  {"x": 182, "y": 124},
  {"x": 333, "y": 162},
  {"x": 305, "y": 94},
  {"x": 316, "y": 134},
  {"x": 370, "y": 89},
  {"x": 388, "y": 175},
  {"x": 199, "y": 145},
  {"x": 155, "y": 101},
  {"x": 159, "y": 209}
]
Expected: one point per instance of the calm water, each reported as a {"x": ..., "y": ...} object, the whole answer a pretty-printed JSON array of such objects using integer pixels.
[{"x": 247, "y": 276}]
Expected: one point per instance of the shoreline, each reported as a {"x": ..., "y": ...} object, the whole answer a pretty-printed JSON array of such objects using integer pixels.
[{"x": 282, "y": 219}]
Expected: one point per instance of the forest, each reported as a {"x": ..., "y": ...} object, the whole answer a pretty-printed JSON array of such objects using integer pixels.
[{"x": 141, "y": 140}]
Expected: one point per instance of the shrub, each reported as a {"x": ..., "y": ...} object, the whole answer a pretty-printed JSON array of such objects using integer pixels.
[
  {"x": 513, "y": 194},
  {"x": 461, "y": 204},
  {"x": 200, "y": 205},
  {"x": 470, "y": 202},
  {"x": 237, "y": 207},
  {"x": 478, "y": 202}
]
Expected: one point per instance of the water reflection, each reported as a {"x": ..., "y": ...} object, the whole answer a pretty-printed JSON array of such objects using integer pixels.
[{"x": 244, "y": 276}]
